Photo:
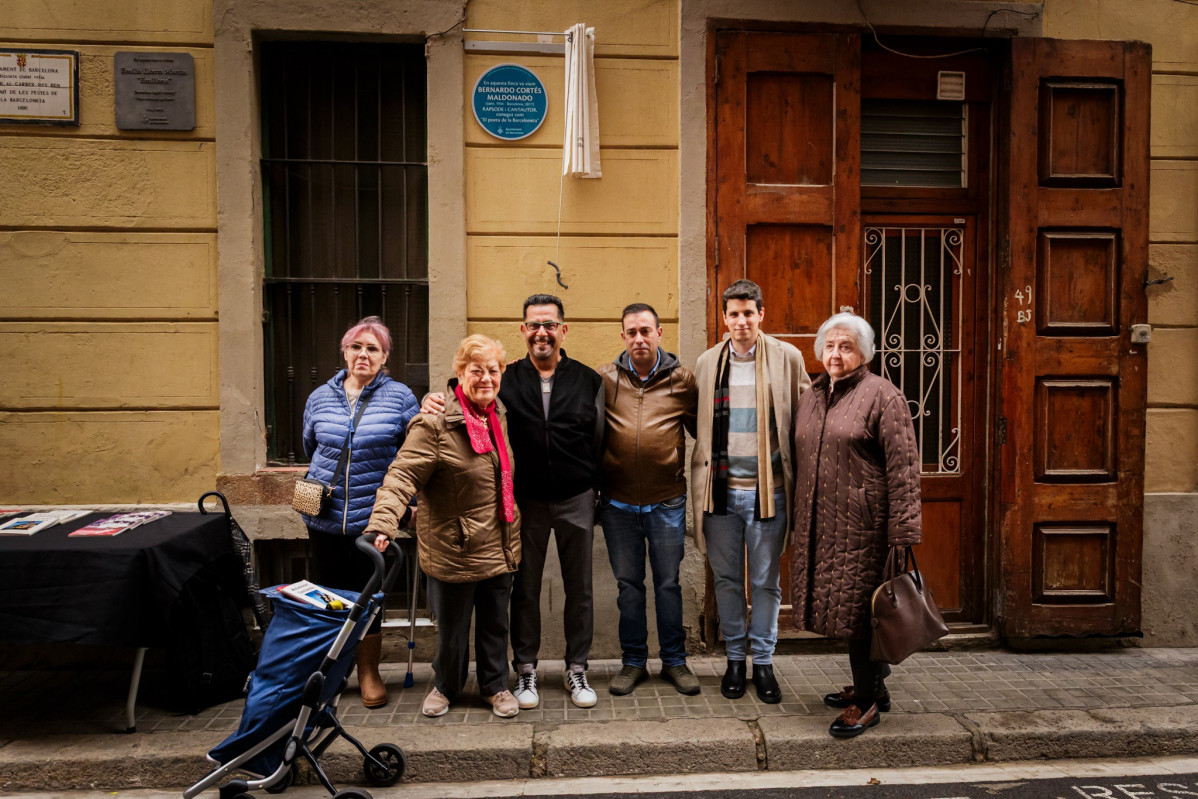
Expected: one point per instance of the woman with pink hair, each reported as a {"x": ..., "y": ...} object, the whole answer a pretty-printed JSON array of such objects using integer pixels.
[{"x": 353, "y": 426}]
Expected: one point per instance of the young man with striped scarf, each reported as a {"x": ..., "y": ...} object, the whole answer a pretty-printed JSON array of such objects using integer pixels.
[{"x": 742, "y": 480}]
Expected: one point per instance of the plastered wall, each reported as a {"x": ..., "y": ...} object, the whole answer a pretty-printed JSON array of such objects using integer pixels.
[
  {"x": 618, "y": 241},
  {"x": 108, "y": 331}
]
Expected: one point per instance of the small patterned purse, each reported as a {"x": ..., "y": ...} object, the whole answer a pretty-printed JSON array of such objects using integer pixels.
[{"x": 311, "y": 496}]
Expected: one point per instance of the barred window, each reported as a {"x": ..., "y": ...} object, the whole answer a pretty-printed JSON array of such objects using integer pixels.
[{"x": 345, "y": 188}]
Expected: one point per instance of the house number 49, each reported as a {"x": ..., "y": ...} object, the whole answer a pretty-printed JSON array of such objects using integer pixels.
[{"x": 1025, "y": 298}]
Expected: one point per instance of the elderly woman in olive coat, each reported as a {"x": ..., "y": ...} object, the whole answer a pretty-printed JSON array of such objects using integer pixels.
[{"x": 856, "y": 494}]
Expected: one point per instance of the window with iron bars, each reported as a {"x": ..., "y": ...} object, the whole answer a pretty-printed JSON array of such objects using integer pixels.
[{"x": 345, "y": 186}]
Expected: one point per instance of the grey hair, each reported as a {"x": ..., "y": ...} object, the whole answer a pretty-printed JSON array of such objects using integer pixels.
[{"x": 860, "y": 329}]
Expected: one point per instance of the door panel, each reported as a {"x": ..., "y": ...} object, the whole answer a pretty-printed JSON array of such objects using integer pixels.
[
  {"x": 787, "y": 195},
  {"x": 1073, "y": 385}
]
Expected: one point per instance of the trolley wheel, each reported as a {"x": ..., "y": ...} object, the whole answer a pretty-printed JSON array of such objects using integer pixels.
[
  {"x": 235, "y": 789},
  {"x": 352, "y": 793},
  {"x": 284, "y": 782},
  {"x": 390, "y": 756}
]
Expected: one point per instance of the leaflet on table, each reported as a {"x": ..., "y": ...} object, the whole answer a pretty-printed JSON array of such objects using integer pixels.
[
  {"x": 28, "y": 525},
  {"x": 6, "y": 512},
  {"x": 314, "y": 595},
  {"x": 115, "y": 525}
]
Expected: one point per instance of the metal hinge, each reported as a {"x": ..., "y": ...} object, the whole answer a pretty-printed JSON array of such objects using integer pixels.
[{"x": 1001, "y": 435}]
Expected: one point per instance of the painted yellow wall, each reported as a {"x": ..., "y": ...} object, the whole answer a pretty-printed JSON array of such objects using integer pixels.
[
  {"x": 108, "y": 333},
  {"x": 619, "y": 234},
  {"x": 1172, "y": 30}
]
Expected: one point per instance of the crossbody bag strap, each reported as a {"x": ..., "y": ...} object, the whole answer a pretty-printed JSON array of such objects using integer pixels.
[{"x": 349, "y": 439}]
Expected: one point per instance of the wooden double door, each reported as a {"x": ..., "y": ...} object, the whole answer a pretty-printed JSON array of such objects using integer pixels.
[{"x": 1001, "y": 273}]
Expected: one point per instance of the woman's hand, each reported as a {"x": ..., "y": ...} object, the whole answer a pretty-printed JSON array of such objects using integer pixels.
[{"x": 381, "y": 541}]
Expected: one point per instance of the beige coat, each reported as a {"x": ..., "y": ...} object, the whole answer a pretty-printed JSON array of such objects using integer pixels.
[
  {"x": 461, "y": 535},
  {"x": 788, "y": 379},
  {"x": 856, "y": 493}
]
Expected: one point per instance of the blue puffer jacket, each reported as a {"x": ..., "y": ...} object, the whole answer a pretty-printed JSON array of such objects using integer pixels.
[{"x": 379, "y": 435}]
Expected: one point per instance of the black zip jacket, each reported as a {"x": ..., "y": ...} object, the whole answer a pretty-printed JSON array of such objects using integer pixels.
[{"x": 558, "y": 458}]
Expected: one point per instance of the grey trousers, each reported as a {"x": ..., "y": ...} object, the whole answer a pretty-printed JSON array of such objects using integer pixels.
[
  {"x": 454, "y": 604},
  {"x": 573, "y": 524}
]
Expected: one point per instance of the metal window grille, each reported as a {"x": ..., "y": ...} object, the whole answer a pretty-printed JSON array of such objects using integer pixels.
[
  {"x": 914, "y": 277},
  {"x": 345, "y": 185},
  {"x": 913, "y": 143}
]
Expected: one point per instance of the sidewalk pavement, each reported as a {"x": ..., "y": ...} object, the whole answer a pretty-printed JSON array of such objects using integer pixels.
[{"x": 63, "y": 729}]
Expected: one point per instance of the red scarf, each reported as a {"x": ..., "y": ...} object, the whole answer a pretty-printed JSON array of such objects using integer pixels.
[{"x": 477, "y": 422}]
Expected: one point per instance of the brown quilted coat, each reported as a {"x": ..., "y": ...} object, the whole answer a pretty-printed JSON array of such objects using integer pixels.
[
  {"x": 461, "y": 535},
  {"x": 856, "y": 493}
]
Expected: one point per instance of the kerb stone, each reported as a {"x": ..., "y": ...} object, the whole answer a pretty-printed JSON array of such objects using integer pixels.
[
  {"x": 901, "y": 739},
  {"x": 675, "y": 746}
]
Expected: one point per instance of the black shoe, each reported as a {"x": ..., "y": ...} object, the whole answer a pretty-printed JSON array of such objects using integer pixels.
[
  {"x": 767, "y": 685},
  {"x": 845, "y": 698},
  {"x": 852, "y": 722},
  {"x": 733, "y": 684}
]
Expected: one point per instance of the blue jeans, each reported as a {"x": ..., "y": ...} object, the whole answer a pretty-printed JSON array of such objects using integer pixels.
[
  {"x": 728, "y": 537},
  {"x": 663, "y": 531}
]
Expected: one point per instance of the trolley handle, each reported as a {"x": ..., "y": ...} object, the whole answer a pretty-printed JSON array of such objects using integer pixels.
[{"x": 365, "y": 543}]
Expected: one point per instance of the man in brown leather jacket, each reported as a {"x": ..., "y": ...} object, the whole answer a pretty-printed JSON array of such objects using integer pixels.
[{"x": 650, "y": 401}]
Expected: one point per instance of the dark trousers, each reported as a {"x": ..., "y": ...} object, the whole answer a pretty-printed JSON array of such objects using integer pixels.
[
  {"x": 335, "y": 562},
  {"x": 454, "y": 604},
  {"x": 867, "y": 674},
  {"x": 573, "y": 524}
]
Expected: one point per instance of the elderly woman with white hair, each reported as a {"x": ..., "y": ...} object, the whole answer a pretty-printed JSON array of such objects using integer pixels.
[{"x": 856, "y": 494}]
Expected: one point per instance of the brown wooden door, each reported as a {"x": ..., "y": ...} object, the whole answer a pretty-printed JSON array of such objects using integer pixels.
[
  {"x": 1073, "y": 387},
  {"x": 787, "y": 193}
]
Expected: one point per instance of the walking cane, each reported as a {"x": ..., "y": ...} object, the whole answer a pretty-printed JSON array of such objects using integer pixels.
[{"x": 408, "y": 681}]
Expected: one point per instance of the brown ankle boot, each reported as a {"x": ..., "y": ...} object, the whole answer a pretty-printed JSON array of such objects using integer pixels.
[{"x": 370, "y": 683}]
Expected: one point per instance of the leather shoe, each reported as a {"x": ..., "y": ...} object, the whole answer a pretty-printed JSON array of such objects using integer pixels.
[
  {"x": 845, "y": 698},
  {"x": 852, "y": 722},
  {"x": 733, "y": 684},
  {"x": 767, "y": 684}
]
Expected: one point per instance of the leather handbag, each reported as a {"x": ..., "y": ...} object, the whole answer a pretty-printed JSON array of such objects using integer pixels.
[
  {"x": 905, "y": 617},
  {"x": 311, "y": 496}
]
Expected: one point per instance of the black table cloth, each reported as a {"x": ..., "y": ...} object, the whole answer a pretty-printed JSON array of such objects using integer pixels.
[{"x": 113, "y": 590}]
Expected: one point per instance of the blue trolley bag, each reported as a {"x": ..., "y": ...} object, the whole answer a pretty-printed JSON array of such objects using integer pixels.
[{"x": 296, "y": 642}]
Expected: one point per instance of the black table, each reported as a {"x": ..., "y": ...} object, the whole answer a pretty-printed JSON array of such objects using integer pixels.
[{"x": 113, "y": 590}]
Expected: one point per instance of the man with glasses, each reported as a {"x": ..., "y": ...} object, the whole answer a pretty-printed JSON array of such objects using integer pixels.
[{"x": 555, "y": 417}]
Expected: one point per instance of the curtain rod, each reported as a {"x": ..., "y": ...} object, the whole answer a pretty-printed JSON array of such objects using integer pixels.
[{"x": 526, "y": 33}]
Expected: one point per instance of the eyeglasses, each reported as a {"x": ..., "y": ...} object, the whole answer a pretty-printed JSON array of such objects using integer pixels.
[{"x": 548, "y": 327}]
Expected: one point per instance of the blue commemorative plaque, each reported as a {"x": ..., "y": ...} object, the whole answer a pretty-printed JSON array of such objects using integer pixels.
[{"x": 509, "y": 102}]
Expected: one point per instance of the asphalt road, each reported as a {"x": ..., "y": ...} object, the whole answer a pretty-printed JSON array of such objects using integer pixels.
[
  {"x": 1173, "y": 786},
  {"x": 1134, "y": 778}
]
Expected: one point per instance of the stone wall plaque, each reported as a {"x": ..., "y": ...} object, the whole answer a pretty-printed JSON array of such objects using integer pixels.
[
  {"x": 39, "y": 87},
  {"x": 155, "y": 91}
]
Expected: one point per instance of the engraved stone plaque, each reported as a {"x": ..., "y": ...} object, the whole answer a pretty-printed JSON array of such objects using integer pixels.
[{"x": 155, "y": 91}]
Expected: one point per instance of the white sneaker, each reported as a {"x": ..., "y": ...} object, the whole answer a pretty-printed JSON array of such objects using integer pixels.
[
  {"x": 526, "y": 690},
  {"x": 581, "y": 694}
]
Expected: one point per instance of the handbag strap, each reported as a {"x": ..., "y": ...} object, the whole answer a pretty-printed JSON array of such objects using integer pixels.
[
  {"x": 893, "y": 569},
  {"x": 349, "y": 438}
]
